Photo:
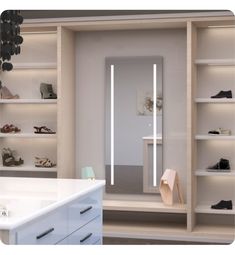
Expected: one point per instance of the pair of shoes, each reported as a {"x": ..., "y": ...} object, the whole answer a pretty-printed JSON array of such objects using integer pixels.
[
  {"x": 43, "y": 130},
  {"x": 223, "y": 205},
  {"x": 223, "y": 165},
  {"x": 223, "y": 94},
  {"x": 5, "y": 93},
  {"x": 46, "y": 91},
  {"x": 9, "y": 158},
  {"x": 9, "y": 129},
  {"x": 43, "y": 162},
  {"x": 220, "y": 131}
]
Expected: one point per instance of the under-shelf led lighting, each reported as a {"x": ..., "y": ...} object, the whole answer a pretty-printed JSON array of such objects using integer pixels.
[
  {"x": 221, "y": 26},
  {"x": 38, "y": 32}
]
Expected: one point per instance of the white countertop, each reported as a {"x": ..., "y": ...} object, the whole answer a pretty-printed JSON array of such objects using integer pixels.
[{"x": 29, "y": 198}]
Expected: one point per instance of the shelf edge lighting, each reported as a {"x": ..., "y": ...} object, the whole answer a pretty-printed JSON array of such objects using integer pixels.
[{"x": 221, "y": 26}]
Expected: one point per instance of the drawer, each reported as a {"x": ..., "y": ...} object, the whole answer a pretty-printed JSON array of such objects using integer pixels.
[
  {"x": 83, "y": 210},
  {"x": 88, "y": 234},
  {"x": 46, "y": 230}
]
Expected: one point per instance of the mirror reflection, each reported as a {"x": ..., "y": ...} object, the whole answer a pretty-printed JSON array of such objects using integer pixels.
[{"x": 133, "y": 87}]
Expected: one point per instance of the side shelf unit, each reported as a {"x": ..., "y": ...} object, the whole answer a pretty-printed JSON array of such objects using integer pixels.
[
  {"x": 42, "y": 60},
  {"x": 211, "y": 67}
]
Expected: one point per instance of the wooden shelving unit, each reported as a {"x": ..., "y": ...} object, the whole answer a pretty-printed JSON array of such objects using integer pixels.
[
  {"x": 45, "y": 57},
  {"x": 205, "y": 61}
]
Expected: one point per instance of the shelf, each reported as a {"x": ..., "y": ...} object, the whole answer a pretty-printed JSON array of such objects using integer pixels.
[
  {"x": 215, "y": 100},
  {"x": 168, "y": 231},
  {"x": 26, "y": 135},
  {"x": 142, "y": 206},
  {"x": 144, "y": 230},
  {"x": 215, "y": 137},
  {"x": 200, "y": 172},
  {"x": 28, "y": 169},
  {"x": 17, "y": 66},
  {"x": 216, "y": 62},
  {"x": 28, "y": 101},
  {"x": 217, "y": 233},
  {"x": 207, "y": 209}
]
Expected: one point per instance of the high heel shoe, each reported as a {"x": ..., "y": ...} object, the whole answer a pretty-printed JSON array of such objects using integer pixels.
[
  {"x": 9, "y": 158},
  {"x": 47, "y": 92},
  {"x": 5, "y": 93}
]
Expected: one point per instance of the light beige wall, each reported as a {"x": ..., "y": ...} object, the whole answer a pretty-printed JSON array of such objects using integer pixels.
[{"x": 91, "y": 50}]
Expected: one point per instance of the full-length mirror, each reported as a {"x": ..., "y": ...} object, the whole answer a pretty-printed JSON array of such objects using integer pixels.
[{"x": 134, "y": 119}]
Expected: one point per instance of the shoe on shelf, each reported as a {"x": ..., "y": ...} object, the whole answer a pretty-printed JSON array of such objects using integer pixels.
[
  {"x": 43, "y": 130},
  {"x": 10, "y": 158},
  {"x": 220, "y": 131},
  {"x": 7, "y": 158},
  {"x": 223, "y": 204},
  {"x": 222, "y": 166},
  {"x": 223, "y": 94},
  {"x": 9, "y": 129},
  {"x": 43, "y": 162},
  {"x": 5, "y": 93},
  {"x": 47, "y": 92}
]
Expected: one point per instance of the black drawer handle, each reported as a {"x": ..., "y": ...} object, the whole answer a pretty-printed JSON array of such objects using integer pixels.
[
  {"x": 85, "y": 210},
  {"x": 45, "y": 233},
  {"x": 85, "y": 238}
]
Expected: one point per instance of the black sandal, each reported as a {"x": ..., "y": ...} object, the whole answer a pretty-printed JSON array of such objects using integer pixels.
[{"x": 43, "y": 130}]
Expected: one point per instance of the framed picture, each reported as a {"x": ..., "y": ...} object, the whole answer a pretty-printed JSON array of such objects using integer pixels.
[{"x": 145, "y": 103}]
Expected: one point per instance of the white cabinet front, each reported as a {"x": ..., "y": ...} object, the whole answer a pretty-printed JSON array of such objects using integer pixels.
[
  {"x": 49, "y": 229},
  {"x": 83, "y": 210},
  {"x": 89, "y": 234}
]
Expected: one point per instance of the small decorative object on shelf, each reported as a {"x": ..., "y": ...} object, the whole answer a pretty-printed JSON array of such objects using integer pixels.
[
  {"x": 47, "y": 92},
  {"x": 43, "y": 130},
  {"x": 223, "y": 94},
  {"x": 220, "y": 131},
  {"x": 223, "y": 205},
  {"x": 223, "y": 166},
  {"x": 88, "y": 173},
  {"x": 44, "y": 162},
  {"x": 10, "y": 39},
  {"x": 10, "y": 158},
  {"x": 169, "y": 182},
  {"x": 10, "y": 129}
]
